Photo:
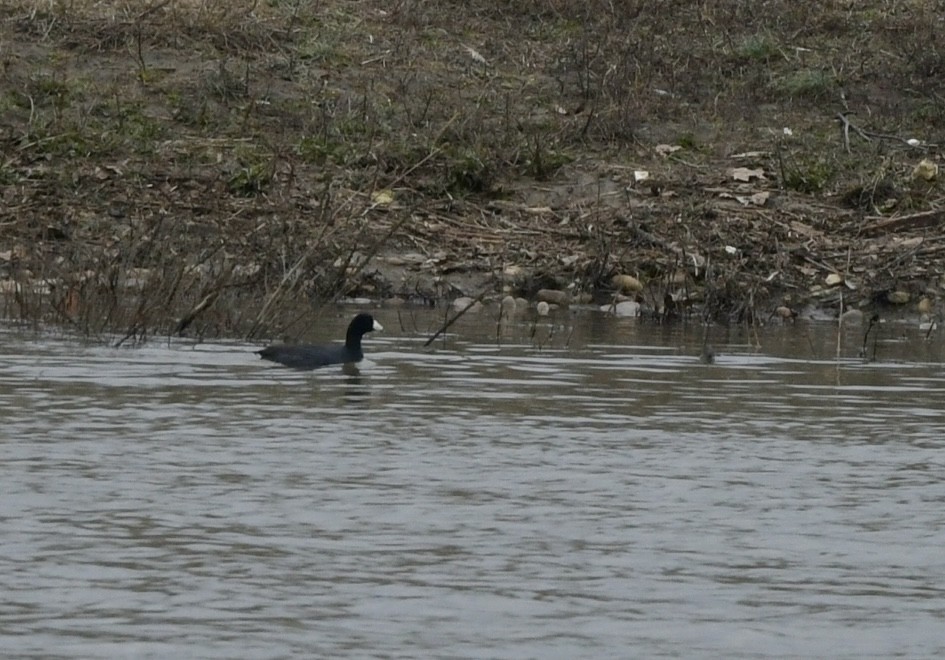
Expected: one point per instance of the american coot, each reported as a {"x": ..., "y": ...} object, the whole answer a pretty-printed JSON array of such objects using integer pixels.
[{"x": 308, "y": 356}]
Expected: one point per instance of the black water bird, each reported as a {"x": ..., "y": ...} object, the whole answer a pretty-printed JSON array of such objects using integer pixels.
[{"x": 313, "y": 356}]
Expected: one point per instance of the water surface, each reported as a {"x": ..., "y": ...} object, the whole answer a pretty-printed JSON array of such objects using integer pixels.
[{"x": 580, "y": 488}]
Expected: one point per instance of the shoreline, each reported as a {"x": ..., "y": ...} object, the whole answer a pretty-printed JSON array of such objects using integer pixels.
[{"x": 204, "y": 169}]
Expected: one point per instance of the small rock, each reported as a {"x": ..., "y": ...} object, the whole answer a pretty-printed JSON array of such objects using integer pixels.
[
  {"x": 543, "y": 308},
  {"x": 464, "y": 302},
  {"x": 627, "y": 283},
  {"x": 507, "y": 307},
  {"x": 851, "y": 316},
  {"x": 627, "y": 308},
  {"x": 785, "y": 312},
  {"x": 925, "y": 306},
  {"x": 584, "y": 298},
  {"x": 834, "y": 279},
  {"x": 897, "y": 297},
  {"x": 553, "y": 296}
]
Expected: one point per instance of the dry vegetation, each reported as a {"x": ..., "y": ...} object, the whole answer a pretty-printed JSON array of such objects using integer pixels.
[{"x": 224, "y": 166}]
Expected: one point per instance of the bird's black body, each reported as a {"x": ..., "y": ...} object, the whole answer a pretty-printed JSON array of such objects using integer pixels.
[{"x": 313, "y": 356}]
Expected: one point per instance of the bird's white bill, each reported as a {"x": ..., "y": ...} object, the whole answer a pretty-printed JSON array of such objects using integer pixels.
[{"x": 378, "y": 326}]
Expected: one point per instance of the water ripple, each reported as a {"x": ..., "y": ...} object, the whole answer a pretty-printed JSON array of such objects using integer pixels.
[{"x": 476, "y": 500}]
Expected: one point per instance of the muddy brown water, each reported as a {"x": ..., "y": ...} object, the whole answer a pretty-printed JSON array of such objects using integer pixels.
[{"x": 583, "y": 488}]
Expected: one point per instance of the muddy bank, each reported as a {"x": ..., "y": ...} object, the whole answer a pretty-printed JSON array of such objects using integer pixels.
[{"x": 229, "y": 168}]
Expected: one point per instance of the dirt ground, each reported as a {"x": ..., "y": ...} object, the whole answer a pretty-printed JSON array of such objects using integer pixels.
[{"x": 227, "y": 167}]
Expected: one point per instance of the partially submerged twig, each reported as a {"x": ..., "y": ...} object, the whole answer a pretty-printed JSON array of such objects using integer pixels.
[
  {"x": 190, "y": 316},
  {"x": 874, "y": 321},
  {"x": 453, "y": 320},
  {"x": 840, "y": 327}
]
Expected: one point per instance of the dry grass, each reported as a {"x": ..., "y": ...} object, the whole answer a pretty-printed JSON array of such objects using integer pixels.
[{"x": 220, "y": 156}]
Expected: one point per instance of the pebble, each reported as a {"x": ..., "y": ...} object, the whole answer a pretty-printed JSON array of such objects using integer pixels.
[
  {"x": 898, "y": 297},
  {"x": 553, "y": 296},
  {"x": 627, "y": 308},
  {"x": 463, "y": 302},
  {"x": 852, "y": 316},
  {"x": 627, "y": 283}
]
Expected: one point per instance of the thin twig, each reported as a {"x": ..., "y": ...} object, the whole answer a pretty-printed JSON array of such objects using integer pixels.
[
  {"x": 870, "y": 135},
  {"x": 449, "y": 322}
]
